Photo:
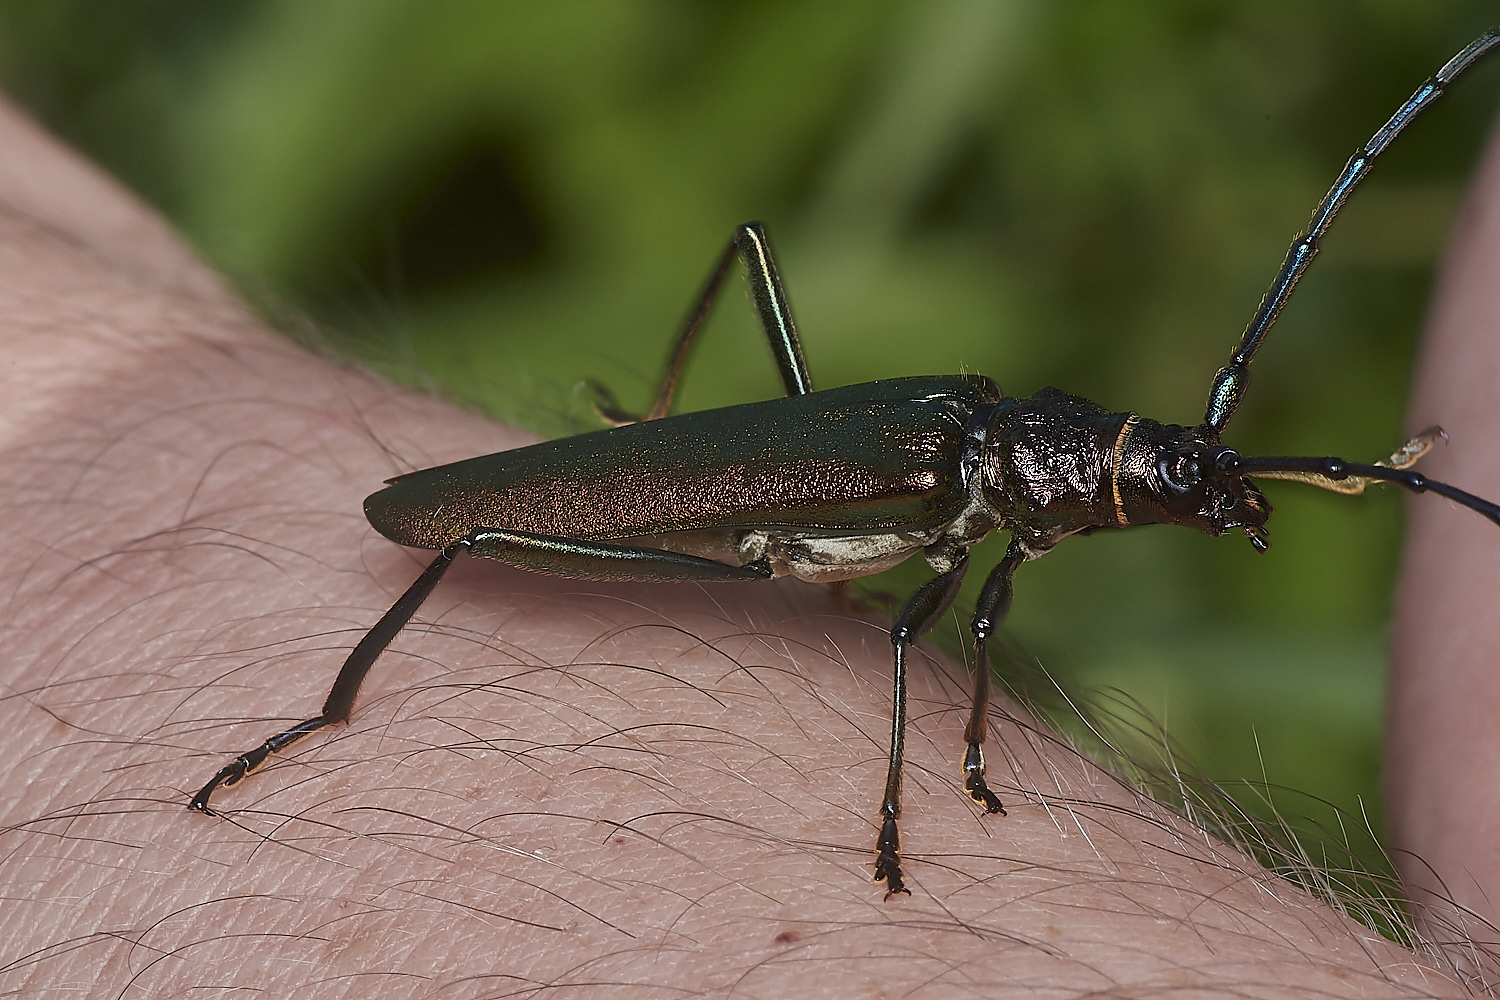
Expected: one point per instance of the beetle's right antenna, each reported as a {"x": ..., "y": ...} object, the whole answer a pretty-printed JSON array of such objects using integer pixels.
[
  {"x": 1352, "y": 477},
  {"x": 1229, "y": 384}
]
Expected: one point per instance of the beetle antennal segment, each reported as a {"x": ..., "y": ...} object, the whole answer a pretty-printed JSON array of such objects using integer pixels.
[
  {"x": 1230, "y": 383},
  {"x": 1334, "y": 472},
  {"x": 1403, "y": 457}
]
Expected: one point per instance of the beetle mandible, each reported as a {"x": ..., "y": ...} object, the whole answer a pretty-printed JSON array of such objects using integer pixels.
[{"x": 874, "y": 474}]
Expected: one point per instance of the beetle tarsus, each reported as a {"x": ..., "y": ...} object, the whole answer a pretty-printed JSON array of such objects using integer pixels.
[
  {"x": 975, "y": 784},
  {"x": 888, "y": 862},
  {"x": 605, "y": 406},
  {"x": 228, "y": 775},
  {"x": 234, "y": 772},
  {"x": 980, "y": 793}
]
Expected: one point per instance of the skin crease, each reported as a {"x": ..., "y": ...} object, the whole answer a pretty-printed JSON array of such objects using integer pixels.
[{"x": 547, "y": 787}]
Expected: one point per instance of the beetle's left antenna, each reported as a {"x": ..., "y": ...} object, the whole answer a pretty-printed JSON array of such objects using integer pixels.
[
  {"x": 1229, "y": 384},
  {"x": 1352, "y": 477}
]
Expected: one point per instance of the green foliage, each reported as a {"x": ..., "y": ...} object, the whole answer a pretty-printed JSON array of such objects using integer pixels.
[{"x": 510, "y": 197}]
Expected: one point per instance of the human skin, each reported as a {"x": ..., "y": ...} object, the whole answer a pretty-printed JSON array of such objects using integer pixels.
[
  {"x": 548, "y": 787},
  {"x": 1443, "y": 741}
]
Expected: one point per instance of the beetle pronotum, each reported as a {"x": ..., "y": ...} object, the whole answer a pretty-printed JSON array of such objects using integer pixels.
[{"x": 878, "y": 472}]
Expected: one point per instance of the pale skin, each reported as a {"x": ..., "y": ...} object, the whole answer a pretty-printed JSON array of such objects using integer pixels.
[
  {"x": 1443, "y": 742},
  {"x": 548, "y": 787}
]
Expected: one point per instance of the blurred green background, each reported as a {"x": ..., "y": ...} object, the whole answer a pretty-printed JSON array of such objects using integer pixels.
[{"x": 499, "y": 199}]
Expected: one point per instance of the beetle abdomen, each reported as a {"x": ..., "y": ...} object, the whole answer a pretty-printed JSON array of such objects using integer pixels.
[{"x": 854, "y": 460}]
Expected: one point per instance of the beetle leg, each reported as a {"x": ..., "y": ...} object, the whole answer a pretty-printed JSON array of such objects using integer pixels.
[
  {"x": 577, "y": 559},
  {"x": 340, "y": 701},
  {"x": 989, "y": 613},
  {"x": 772, "y": 307},
  {"x": 750, "y": 244},
  {"x": 565, "y": 557},
  {"x": 605, "y": 406},
  {"x": 925, "y": 607}
]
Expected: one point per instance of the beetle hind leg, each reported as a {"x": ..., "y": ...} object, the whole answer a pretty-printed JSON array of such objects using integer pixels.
[
  {"x": 580, "y": 559},
  {"x": 340, "y": 700},
  {"x": 925, "y": 607},
  {"x": 567, "y": 557},
  {"x": 749, "y": 243}
]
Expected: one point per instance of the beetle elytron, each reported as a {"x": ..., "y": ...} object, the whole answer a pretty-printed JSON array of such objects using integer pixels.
[{"x": 873, "y": 474}]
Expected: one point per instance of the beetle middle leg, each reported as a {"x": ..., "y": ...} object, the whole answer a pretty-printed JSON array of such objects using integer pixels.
[
  {"x": 749, "y": 243},
  {"x": 921, "y": 612}
]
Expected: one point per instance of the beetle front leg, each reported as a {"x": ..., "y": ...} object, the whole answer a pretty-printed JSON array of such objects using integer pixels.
[
  {"x": 989, "y": 614},
  {"x": 924, "y": 608}
]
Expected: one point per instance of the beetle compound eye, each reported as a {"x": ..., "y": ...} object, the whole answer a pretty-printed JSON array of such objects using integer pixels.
[{"x": 1179, "y": 471}]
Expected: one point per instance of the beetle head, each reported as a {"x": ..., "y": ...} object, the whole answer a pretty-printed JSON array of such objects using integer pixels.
[{"x": 1181, "y": 475}]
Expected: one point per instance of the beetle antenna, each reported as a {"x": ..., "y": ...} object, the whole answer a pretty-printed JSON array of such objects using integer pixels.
[
  {"x": 1351, "y": 477},
  {"x": 1229, "y": 384}
]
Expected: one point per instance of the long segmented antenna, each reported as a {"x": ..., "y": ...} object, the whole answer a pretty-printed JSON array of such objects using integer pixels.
[
  {"x": 1229, "y": 384},
  {"x": 1311, "y": 470},
  {"x": 1403, "y": 457}
]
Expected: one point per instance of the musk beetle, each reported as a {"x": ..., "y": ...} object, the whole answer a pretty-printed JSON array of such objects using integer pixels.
[{"x": 840, "y": 483}]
